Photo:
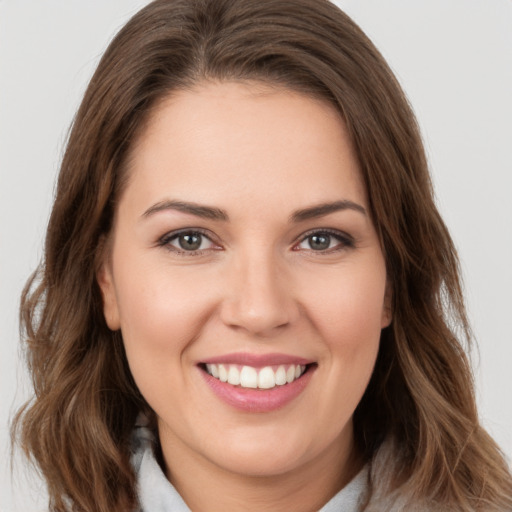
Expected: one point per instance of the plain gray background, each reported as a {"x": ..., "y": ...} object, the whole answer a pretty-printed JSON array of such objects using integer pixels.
[{"x": 454, "y": 59}]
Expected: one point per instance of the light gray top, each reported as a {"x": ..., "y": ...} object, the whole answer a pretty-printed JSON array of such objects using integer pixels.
[{"x": 157, "y": 494}]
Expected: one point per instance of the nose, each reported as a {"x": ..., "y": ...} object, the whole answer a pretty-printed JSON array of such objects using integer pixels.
[{"x": 259, "y": 297}]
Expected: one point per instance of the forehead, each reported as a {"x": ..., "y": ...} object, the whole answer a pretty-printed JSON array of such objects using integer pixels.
[{"x": 222, "y": 141}]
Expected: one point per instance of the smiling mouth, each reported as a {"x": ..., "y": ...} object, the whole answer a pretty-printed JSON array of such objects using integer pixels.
[{"x": 267, "y": 377}]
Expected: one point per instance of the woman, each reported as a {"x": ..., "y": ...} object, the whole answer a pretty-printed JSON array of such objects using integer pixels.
[{"x": 244, "y": 262}]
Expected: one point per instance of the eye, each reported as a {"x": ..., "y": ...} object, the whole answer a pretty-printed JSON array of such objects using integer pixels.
[
  {"x": 325, "y": 241},
  {"x": 187, "y": 242}
]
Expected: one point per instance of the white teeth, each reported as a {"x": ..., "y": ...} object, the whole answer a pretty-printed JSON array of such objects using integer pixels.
[
  {"x": 213, "y": 369},
  {"x": 290, "y": 374},
  {"x": 281, "y": 376},
  {"x": 249, "y": 377},
  {"x": 233, "y": 375},
  {"x": 266, "y": 378},
  {"x": 223, "y": 373}
]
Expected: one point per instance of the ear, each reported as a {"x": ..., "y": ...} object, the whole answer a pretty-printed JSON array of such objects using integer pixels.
[
  {"x": 105, "y": 281},
  {"x": 387, "y": 308}
]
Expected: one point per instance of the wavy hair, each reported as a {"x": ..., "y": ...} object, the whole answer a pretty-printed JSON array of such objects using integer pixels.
[{"x": 417, "y": 424}]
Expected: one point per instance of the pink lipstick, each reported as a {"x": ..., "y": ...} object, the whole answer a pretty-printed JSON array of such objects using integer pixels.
[{"x": 257, "y": 382}]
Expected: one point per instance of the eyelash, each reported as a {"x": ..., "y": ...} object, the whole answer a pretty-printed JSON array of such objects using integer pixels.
[
  {"x": 166, "y": 240},
  {"x": 345, "y": 241}
]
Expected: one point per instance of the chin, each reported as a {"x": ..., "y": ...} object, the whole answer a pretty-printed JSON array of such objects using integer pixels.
[
  {"x": 261, "y": 455},
  {"x": 258, "y": 464}
]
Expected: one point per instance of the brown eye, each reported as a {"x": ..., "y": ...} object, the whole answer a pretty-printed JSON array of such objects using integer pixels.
[{"x": 190, "y": 241}]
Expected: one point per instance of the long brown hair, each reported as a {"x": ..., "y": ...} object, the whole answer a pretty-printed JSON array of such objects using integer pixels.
[{"x": 417, "y": 424}]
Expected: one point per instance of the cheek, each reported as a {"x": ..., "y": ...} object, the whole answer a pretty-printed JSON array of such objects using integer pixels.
[
  {"x": 348, "y": 316},
  {"x": 349, "y": 321},
  {"x": 351, "y": 333},
  {"x": 153, "y": 299},
  {"x": 347, "y": 306},
  {"x": 160, "y": 315}
]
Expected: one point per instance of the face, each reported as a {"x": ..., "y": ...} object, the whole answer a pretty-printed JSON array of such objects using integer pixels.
[{"x": 247, "y": 278}]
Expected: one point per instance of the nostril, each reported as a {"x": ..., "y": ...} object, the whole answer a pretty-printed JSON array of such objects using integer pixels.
[{"x": 258, "y": 300}]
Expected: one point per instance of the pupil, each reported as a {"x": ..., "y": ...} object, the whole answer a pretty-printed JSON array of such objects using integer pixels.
[
  {"x": 319, "y": 242},
  {"x": 190, "y": 242}
]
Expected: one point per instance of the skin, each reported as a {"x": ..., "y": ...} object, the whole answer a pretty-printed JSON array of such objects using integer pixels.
[{"x": 256, "y": 285}]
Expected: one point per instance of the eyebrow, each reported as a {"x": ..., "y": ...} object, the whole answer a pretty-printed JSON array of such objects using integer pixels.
[
  {"x": 323, "y": 209},
  {"x": 212, "y": 213},
  {"x": 206, "y": 212}
]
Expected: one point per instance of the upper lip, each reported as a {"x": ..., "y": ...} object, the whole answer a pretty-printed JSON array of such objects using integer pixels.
[{"x": 256, "y": 360}]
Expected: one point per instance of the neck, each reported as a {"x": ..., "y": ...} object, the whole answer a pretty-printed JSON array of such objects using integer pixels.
[{"x": 206, "y": 487}]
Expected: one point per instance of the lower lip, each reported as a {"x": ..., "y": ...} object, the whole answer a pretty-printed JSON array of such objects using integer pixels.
[{"x": 258, "y": 400}]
